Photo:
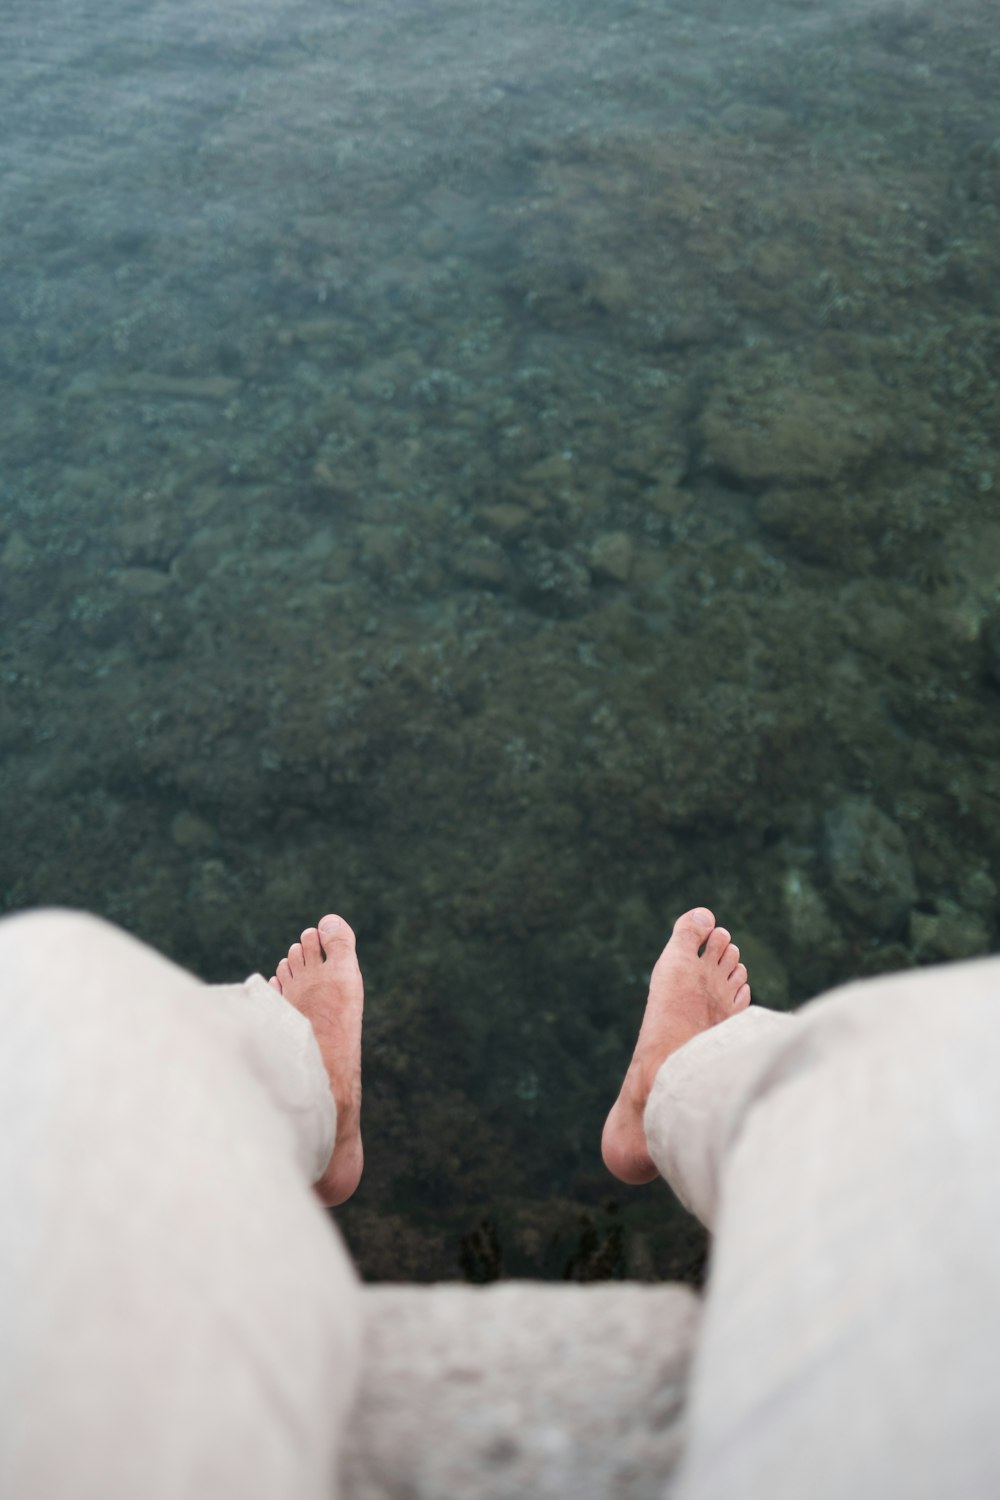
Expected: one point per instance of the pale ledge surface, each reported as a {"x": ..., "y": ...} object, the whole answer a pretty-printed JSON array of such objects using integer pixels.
[{"x": 520, "y": 1391}]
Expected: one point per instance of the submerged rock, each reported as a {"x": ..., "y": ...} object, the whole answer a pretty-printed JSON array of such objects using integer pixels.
[
  {"x": 767, "y": 972},
  {"x": 505, "y": 520},
  {"x": 554, "y": 581},
  {"x": 948, "y": 933},
  {"x": 770, "y": 421},
  {"x": 989, "y": 636},
  {"x": 17, "y": 555},
  {"x": 869, "y": 863},
  {"x": 611, "y": 557},
  {"x": 480, "y": 564},
  {"x": 810, "y": 925},
  {"x": 188, "y": 831}
]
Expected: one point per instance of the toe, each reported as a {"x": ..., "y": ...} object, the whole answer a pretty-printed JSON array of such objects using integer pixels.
[
  {"x": 275, "y": 983},
  {"x": 336, "y": 936},
  {"x": 694, "y": 926},
  {"x": 742, "y": 997},
  {"x": 716, "y": 944},
  {"x": 729, "y": 959},
  {"x": 738, "y": 977},
  {"x": 296, "y": 958},
  {"x": 311, "y": 949},
  {"x": 284, "y": 973}
]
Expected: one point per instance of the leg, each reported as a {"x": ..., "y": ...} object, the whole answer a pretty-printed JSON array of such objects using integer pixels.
[
  {"x": 177, "y": 1314},
  {"x": 846, "y": 1160}
]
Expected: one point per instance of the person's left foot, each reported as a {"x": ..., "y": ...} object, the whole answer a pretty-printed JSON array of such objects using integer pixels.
[
  {"x": 321, "y": 978},
  {"x": 697, "y": 982}
]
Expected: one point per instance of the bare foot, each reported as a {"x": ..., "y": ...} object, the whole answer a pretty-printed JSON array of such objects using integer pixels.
[
  {"x": 689, "y": 991},
  {"x": 330, "y": 993}
]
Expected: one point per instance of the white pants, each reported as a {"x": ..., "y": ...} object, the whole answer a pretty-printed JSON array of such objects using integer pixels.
[
  {"x": 847, "y": 1159},
  {"x": 178, "y": 1316}
]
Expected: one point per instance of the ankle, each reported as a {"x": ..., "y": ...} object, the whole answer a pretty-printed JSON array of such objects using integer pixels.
[
  {"x": 340, "y": 1180},
  {"x": 623, "y": 1145}
]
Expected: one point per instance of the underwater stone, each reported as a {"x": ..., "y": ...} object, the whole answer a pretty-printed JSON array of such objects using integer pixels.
[
  {"x": 482, "y": 564},
  {"x": 610, "y": 289},
  {"x": 978, "y": 891},
  {"x": 948, "y": 933},
  {"x": 176, "y": 387},
  {"x": 611, "y": 556},
  {"x": 385, "y": 550},
  {"x": 668, "y": 500},
  {"x": 188, "y": 831},
  {"x": 17, "y": 554},
  {"x": 810, "y": 925},
  {"x": 770, "y": 421},
  {"x": 555, "y": 581},
  {"x": 869, "y": 863},
  {"x": 989, "y": 636},
  {"x": 557, "y": 472},
  {"x": 142, "y": 582},
  {"x": 765, "y": 970},
  {"x": 505, "y": 520}
]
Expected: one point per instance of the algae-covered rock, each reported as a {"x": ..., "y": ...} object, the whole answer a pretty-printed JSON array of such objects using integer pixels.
[
  {"x": 948, "y": 933},
  {"x": 765, "y": 970},
  {"x": 611, "y": 557},
  {"x": 505, "y": 520},
  {"x": 188, "y": 831},
  {"x": 17, "y": 555},
  {"x": 810, "y": 925},
  {"x": 989, "y": 636},
  {"x": 772, "y": 418},
  {"x": 143, "y": 583},
  {"x": 822, "y": 523},
  {"x": 556, "y": 581},
  {"x": 869, "y": 863},
  {"x": 481, "y": 564}
]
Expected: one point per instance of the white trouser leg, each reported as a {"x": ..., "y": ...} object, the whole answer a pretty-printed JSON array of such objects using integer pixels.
[
  {"x": 178, "y": 1317},
  {"x": 847, "y": 1160}
]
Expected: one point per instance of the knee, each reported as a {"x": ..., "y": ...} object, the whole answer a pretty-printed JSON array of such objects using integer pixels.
[{"x": 51, "y": 938}]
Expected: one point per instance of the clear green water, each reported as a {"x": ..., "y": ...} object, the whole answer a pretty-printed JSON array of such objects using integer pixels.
[{"x": 505, "y": 474}]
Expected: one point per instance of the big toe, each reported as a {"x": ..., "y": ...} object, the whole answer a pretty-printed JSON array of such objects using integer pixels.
[
  {"x": 694, "y": 926},
  {"x": 337, "y": 938}
]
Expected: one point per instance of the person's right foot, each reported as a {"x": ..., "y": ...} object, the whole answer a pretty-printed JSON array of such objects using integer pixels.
[
  {"x": 321, "y": 978},
  {"x": 697, "y": 982}
]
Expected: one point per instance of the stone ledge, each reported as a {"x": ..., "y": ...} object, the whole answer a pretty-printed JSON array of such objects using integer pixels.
[{"x": 520, "y": 1390}]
